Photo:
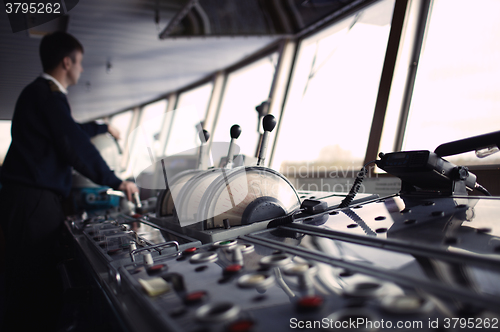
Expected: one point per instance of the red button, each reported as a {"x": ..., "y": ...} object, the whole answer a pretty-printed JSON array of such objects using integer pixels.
[
  {"x": 137, "y": 216},
  {"x": 189, "y": 251},
  {"x": 232, "y": 269},
  {"x": 156, "y": 268},
  {"x": 310, "y": 303},
  {"x": 195, "y": 297},
  {"x": 244, "y": 325}
]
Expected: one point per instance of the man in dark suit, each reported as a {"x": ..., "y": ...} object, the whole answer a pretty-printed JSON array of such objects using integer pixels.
[{"x": 46, "y": 144}]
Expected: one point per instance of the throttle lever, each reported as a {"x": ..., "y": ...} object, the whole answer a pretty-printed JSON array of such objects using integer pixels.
[
  {"x": 269, "y": 122},
  {"x": 137, "y": 202},
  {"x": 204, "y": 136},
  {"x": 235, "y": 133}
]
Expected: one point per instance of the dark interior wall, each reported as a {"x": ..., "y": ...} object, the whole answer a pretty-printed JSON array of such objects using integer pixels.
[{"x": 489, "y": 178}]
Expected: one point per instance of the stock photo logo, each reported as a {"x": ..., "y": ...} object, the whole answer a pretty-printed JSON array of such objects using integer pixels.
[{"x": 24, "y": 15}]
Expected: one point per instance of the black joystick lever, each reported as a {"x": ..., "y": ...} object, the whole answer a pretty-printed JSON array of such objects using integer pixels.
[
  {"x": 262, "y": 109},
  {"x": 235, "y": 133},
  {"x": 480, "y": 143},
  {"x": 204, "y": 136},
  {"x": 269, "y": 122}
]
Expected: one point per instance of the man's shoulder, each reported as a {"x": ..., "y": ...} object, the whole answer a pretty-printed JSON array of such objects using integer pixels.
[
  {"x": 53, "y": 87},
  {"x": 37, "y": 96},
  {"x": 39, "y": 84},
  {"x": 43, "y": 87}
]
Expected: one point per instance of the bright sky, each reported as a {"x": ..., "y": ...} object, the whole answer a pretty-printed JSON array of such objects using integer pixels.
[
  {"x": 191, "y": 111},
  {"x": 328, "y": 116},
  {"x": 142, "y": 142},
  {"x": 246, "y": 89},
  {"x": 457, "y": 91}
]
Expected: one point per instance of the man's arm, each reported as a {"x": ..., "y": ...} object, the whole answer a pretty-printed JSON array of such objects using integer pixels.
[
  {"x": 129, "y": 188},
  {"x": 92, "y": 128},
  {"x": 73, "y": 144}
]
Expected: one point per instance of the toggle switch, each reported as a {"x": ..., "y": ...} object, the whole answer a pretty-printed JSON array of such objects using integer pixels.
[
  {"x": 304, "y": 272},
  {"x": 237, "y": 255},
  {"x": 132, "y": 247},
  {"x": 277, "y": 260},
  {"x": 256, "y": 280},
  {"x": 148, "y": 258}
]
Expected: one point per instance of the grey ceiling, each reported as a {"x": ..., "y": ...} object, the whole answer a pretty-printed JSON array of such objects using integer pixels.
[{"x": 124, "y": 33}]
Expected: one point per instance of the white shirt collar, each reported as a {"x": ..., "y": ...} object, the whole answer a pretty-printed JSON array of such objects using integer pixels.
[{"x": 59, "y": 85}]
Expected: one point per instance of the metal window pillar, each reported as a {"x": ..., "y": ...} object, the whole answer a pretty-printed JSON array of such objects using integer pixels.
[
  {"x": 420, "y": 33},
  {"x": 391, "y": 55},
  {"x": 166, "y": 126},
  {"x": 214, "y": 105},
  {"x": 280, "y": 87},
  {"x": 128, "y": 143}
]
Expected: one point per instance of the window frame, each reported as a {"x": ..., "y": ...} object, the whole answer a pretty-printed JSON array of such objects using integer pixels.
[
  {"x": 404, "y": 10},
  {"x": 399, "y": 21},
  {"x": 275, "y": 47}
]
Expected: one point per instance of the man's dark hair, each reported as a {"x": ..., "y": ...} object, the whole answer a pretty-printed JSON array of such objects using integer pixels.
[{"x": 55, "y": 47}]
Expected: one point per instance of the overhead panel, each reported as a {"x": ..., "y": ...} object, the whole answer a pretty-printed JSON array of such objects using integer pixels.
[{"x": 204, "y": 18}]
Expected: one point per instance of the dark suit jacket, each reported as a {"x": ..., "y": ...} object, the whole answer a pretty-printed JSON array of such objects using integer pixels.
[{"x": 47, "y": 142}]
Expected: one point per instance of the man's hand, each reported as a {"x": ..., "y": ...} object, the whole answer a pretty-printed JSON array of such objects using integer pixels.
[
  {"x": 114, "y": 132},
  {"x": 129, "y": 188}
]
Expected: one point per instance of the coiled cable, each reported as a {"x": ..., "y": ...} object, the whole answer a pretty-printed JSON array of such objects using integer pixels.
[{"x": 355, "y": 187}]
